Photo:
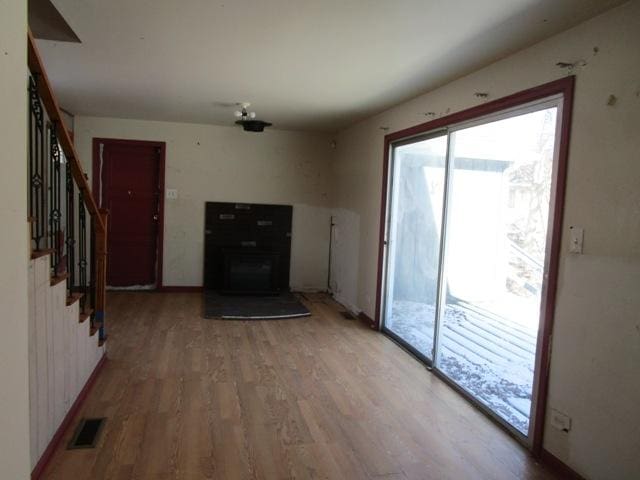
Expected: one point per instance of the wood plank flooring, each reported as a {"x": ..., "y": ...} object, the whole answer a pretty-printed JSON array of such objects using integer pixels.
[{"x": 308, "y": 398}]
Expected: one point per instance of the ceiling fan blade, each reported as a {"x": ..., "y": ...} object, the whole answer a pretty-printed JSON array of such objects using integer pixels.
[
  {"x": 226, "y": 104},
  {"x": 47, "y": 23}
]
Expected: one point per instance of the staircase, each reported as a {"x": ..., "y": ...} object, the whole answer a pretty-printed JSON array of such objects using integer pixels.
[{"x": 67, "y": 271}]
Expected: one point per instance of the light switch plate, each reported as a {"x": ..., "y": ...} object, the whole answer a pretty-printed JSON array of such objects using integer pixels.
[
  {"x": 576, "y": 239},
  {"x": 172, "y": 194}
]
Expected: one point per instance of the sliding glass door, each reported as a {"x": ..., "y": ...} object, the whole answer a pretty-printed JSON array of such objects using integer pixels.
[
  {"x": 414, "y": 242},
  {"x": 467, "y": 252},
  {"x": 497, "y": 217}
]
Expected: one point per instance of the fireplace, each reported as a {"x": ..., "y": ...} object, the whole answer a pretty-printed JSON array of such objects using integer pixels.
[
  {"x": 249, "y": 272},
  {"x": 247, "y": 248}
]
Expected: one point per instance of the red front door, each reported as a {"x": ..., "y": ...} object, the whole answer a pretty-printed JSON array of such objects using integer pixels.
[{"x": 130, "y": 190}]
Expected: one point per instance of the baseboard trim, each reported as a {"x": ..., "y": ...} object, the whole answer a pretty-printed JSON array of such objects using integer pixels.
[
  {"x": 558, "y": 466},
  {"x": 180, "y": 289},
  {"x": 367, "y": 319},
  {"x": 345, "y": 303},
  {"x": 47, "y": 455},
  {"x": 294, "y": 289}
]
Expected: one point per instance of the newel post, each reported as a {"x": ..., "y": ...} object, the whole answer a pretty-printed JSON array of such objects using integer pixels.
[{"x": 101, "y": 270}]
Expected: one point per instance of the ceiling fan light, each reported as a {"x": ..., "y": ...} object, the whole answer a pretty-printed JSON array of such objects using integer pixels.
[
  {"x": 248, "y": 121},
  {"x": 253, "y": 125}
]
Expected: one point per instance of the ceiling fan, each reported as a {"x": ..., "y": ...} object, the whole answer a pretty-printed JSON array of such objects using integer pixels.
[{"x": 248, "y": 119}]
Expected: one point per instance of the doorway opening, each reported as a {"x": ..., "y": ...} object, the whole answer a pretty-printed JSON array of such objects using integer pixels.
[
  {"x": 128, "y": 181},
  {"x": 470, "y": 242}
]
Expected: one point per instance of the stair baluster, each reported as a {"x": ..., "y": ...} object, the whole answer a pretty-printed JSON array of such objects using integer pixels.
[
  {"x": 70, "y": 239},
  {"x": 82, "y": 252},
  {"x": 37, "y": 195},
  {"x": 92, "y": 269},
  {"x": 55, "y": 202}
]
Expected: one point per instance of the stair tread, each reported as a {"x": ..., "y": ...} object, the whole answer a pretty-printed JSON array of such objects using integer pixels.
[
  {"x": 41, "y": 253},
  {"x": 86, "y": 313},
  {"x": 56, "y": 279},
  {"x": 74, "y": 297},
  {"x": 94, "y": 328}
]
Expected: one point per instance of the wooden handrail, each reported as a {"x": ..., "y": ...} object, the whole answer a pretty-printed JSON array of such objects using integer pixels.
[
  {"x": 99, "y": 217},
  {"x": 53, "y": 110}
]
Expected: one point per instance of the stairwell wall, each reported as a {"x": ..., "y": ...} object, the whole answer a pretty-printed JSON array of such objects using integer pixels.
[{"x": 14, "y": 349}]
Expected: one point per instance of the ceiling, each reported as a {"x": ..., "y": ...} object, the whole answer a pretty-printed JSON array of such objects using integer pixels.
[{"x": 303, "y": 64}]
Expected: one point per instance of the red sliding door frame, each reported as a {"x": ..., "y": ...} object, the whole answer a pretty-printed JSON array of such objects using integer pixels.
[{"x": 565, "y": 87}]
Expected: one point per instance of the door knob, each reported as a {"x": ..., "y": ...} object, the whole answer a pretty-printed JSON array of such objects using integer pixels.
[{"x": 155, "y": 217}]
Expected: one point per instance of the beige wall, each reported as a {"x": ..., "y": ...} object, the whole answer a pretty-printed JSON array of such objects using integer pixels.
[
  {"x": 595, "y": 374},
  {"x": 14, "y": 372},
  {"x": 216, "y": 163}
]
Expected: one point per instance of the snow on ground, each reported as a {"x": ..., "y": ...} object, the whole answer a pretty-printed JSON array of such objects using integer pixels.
[{"x": 490, "y": 356}]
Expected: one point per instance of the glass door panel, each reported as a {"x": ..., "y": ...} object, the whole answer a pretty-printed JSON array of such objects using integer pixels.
[
  {"x": 413, "y": 257},
  {"x": 496, "y": 236}
]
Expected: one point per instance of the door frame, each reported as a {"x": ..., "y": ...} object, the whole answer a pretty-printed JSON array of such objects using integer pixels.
[
  {"x": 564, "y": 86},
  {"x": 95, "y": 175}
]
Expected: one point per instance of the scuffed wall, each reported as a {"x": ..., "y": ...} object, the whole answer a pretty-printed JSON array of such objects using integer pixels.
[
  {"x": 225, "y": 164},
  {"x": 311, "y": 257},
  {"x": 595, "y": 362},
  {"x": 345, "y": 241}
]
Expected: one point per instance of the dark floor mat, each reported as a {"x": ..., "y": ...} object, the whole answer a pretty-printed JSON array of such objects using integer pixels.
[{"x": 253, "y": 308}]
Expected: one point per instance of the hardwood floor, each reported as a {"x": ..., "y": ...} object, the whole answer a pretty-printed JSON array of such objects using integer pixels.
[{"x": 316, "y": 397}]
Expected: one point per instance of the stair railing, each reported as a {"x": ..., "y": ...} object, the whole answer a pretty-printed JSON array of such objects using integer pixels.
[{"x": 59, "y": 201}]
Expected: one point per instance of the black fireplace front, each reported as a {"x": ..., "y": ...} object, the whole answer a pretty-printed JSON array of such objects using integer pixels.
[
  {"x": 253, "y": 273},
  {"x": 247, "y": 248}
]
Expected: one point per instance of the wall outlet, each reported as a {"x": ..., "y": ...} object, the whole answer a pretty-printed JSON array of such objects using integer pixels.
[
  {"x": 172, "y": 194},
  {"x": 560, "y": 421}
]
